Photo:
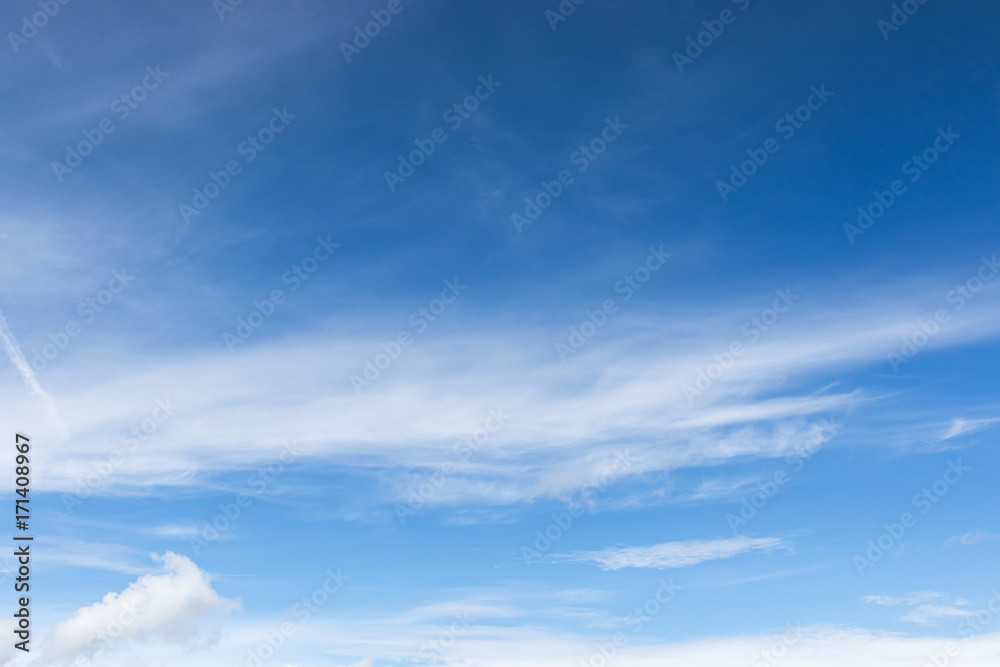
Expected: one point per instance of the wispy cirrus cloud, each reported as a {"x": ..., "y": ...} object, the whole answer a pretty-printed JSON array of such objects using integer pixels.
[
  {"x": 24, "y": 369},
  {"x": 927, "y": 607},
  {"x": 676, "y": 554},
  {"x": 76, "y": 553},
  {"x": 564, "y": 417},
  {"x": 960, "y": 426},
  {"x": 493, "y": 644},
  {"x": 970, "y": 539}
]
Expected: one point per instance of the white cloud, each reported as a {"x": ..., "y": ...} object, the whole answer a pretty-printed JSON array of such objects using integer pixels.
[
  {"x": 71, "y": 552},
  {"x": 928, "y": 607},
  {"x": 362, "y": 641},
  {"x": 928, "y": 614},
  {"x": 24, "y": 369},
  {"x": 176, "y": 531},
  {"x": 167, "y": 606},
  {"x": 7, "y": 650},
  {"x": 503, "y": 646},
  {"x": 564, "y": 418},
  {"x": 711, "y": 489},
  {"x": 960, "y": 426},
  {"x": 971, "y": 538},
  {"x": 908, "y": 601},
  {"x": 676, "y": 554}
]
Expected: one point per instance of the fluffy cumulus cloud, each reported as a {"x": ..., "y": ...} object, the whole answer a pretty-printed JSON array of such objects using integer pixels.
[
  {"x": 169, "y": 606},
  {"x": 676, "y": 554}
]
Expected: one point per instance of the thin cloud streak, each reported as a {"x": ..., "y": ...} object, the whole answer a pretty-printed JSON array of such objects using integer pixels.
[
  {"x": 24, "y": 369},
  {"x": 675, "y": 554}
]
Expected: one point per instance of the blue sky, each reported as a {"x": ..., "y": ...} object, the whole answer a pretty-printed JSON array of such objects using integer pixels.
[{"x": 560, "y": 390}]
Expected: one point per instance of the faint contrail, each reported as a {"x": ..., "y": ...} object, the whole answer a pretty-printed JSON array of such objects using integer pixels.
[{"x": 17, "y": 358}]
